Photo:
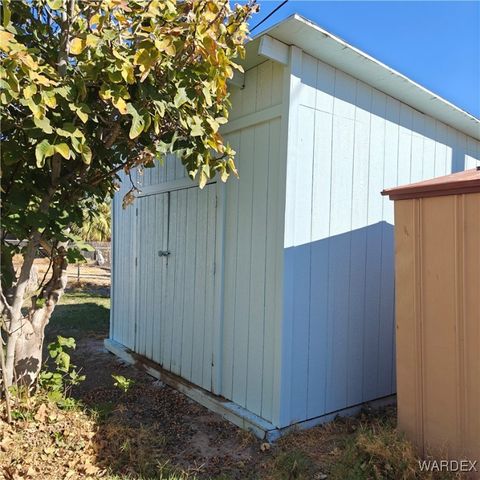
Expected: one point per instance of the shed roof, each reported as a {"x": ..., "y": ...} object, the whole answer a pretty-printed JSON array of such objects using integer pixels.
[
  {"x": 454, "y": 184},
  {"x": 312, "y": 39}
]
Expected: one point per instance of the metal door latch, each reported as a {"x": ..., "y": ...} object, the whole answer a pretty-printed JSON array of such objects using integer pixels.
[{"x": 163, "y": 253}]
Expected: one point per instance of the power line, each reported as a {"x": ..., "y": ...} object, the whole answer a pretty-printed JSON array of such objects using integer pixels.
[{"x": 269, "y": 15}]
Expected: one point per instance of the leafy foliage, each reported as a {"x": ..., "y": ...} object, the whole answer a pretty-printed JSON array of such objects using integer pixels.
[
  {"x": 96, "y": 225},
  {"x": 59, "y": 381},
  {"x": 123, "y": 383},
  {"x": 90, "y": 89}
]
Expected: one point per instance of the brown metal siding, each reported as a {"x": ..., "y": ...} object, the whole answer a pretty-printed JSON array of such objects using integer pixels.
[{"x": 438, "y": 317}]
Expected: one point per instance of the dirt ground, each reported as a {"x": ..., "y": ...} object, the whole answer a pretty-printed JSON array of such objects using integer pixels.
[
  {"x": 153, "y": 420},
  {"x": 87, "y": 272},
  {"x": 180, "y": 431}
]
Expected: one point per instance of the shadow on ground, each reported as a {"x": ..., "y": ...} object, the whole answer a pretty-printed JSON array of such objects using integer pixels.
[{"x": 151, "y": 430}]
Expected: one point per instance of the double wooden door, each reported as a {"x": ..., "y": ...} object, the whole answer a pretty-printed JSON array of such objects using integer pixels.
[{"x": 175, "y": 279}]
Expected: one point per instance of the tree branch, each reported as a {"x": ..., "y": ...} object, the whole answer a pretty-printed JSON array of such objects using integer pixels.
[{"x": 6, "y": 309}]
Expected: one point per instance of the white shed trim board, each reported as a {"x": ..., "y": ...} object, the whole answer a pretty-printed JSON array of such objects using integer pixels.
[{"x": 276, "y": 340}]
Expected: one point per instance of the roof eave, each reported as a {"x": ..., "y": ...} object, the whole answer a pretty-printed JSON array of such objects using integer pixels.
[{"x": 313, "y": 40}]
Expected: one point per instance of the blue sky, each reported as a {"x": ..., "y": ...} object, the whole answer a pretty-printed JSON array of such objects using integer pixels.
[{"x": 435, "y": 43}]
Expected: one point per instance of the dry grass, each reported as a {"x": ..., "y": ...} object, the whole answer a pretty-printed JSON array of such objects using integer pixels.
[
  {"x": 46, "y": 442},
  {"x": 367, "y": 447}
]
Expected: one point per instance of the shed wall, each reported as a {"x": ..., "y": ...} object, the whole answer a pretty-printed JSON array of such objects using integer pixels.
[
  {"x": 348, "y": 142},
  {"x": 252, "y": 250},
  {"x": 253, "y": 243},
  {"x": 123, "y": 294}
]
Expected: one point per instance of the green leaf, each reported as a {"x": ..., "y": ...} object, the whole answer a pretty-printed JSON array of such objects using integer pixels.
[
  {"x": 180, "y": 98},
  {"x": 42, "y": 151},
  {"x": 86, "y": 153},
  {"x": 138, "y": 124},
  {"x": 132, "y": 110},
  {"x": 63, "y": 361},
  {"x": 82, "y": 116},
  {"x": 68, "y": 342},
  {"x": 7, "y": 14},
  {"x": 77, "y": 146},
  {"x": 43, "y": 124},
  {"x": 63, "y": 149}
]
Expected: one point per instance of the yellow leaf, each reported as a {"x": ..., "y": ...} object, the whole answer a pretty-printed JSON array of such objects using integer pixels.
[
  {"x": 203, "y": 179},
  {"x": 95, "y": 20},
  {"x": 127, "y": 73},
  {"x": 215, "y": 125},
  {"x": 5, "y": 37},
  {"x": 86, "y": 153},
  {"x": 50, "y": 100},
  {"x": 77, "y": 46},
  {"x": 121, "y": 105},
  {"x": 63, "y": 149},
  {"x": 92, "y": 40},
  {"x": 30, "y": 90},
  {"x": 162, "y": 44},
  {"x": 170, "y": 50}
]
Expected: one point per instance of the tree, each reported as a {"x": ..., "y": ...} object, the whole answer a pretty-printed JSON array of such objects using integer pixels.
[
  {"x": 96, "y": 225},
  {"x": 91, "y": 89}
]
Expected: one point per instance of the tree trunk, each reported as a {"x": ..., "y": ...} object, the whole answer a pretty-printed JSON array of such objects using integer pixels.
[
  {"x": 25, "y": 340},
  {"x": 25, "y": 334}
]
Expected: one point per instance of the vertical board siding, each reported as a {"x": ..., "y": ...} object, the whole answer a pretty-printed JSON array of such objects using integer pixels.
[
  {"x": 257, "y": 271},
  {"x": 168, "y": 169},
  {"x": 122, "y": 312},
  {"x": 273, "y": 271},
  {"x": 176, "y": 293},
  {"x": 153, "y": 224},
  {"x": 263, "y": 89},
  {"x": 350, "y": 141},
  {"x": 252, "y": 248},
  {"x": 306, "y": 325}
]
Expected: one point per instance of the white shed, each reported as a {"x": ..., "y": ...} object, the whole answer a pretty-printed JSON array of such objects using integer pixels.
[{"x": 270, "y": 299}]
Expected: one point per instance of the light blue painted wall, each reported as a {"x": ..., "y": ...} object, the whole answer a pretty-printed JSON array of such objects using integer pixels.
[
  {"x": 253, "y": 244},
  {"x": 251, "y": 268},
  {"x": 304, "y": 325},
  {"x": 123, "y": 291},
  {"x": 347, "y": 143}
]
